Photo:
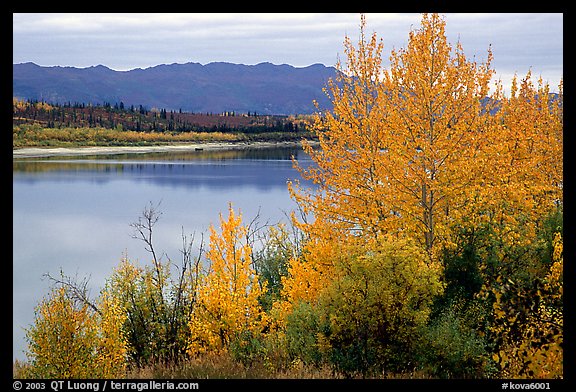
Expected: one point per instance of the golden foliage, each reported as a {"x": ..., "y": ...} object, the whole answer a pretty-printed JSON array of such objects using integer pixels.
[
  {"x": 28, "y": 136},
  {"x": 419, "y": 149},
  {"x": 227, "y": 301},
  {"x": 70, "y": 339},
  {"x": 520, "y": 166},
  {"x": 396, "y": 147}
]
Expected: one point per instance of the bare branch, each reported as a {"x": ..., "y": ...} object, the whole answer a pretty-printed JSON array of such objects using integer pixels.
[
  {"x": 144, "y": 227},
  {"x": 78, "y": 289},
  {"x": 143, "y": 231}
]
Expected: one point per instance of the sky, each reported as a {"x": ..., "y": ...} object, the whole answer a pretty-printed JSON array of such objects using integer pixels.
[{"x": 520, "y": 42}]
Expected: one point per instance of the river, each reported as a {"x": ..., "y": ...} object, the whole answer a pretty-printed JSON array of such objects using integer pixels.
[{"x": 74, "y": 213}]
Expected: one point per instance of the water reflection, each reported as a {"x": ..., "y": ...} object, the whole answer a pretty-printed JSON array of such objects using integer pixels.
[{"x": 214, "y": 169}]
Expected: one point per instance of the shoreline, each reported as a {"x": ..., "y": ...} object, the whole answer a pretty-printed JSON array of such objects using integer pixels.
[{"x": 41, "y": 152}]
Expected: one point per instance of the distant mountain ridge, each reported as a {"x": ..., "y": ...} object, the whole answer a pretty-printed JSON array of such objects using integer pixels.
[{"x": 216, "y": 87}]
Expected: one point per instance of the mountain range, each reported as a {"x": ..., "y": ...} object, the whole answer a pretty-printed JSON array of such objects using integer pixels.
[{"x": 216, "y": 87}]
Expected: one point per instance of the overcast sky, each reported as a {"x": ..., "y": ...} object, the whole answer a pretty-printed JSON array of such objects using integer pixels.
[{"x": 126, "y": 41}]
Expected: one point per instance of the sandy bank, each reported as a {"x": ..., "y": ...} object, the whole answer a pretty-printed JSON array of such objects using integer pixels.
[{"x": 34, "y": 152}]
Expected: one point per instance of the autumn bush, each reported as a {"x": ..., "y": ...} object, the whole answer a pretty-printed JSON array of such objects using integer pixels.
[
  {"x": 376, "y": 306},
  {"x": 71, "y": 339},
  {"x": 155, "y": 322},
  {"x": 527, "y": 324}
]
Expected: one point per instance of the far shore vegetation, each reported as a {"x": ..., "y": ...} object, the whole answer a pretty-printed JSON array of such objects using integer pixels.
[{"x": 43, "y": 124}]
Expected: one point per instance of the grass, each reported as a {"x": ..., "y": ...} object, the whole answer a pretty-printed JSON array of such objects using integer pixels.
[
  {"x": 213, "y": 366},
  {"x": 223, "y": 366}
]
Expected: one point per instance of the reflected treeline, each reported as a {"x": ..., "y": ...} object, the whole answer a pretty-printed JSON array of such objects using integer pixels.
[
  {"x": 22, "y": 166},
  {"x": 116, "y": 162},
  {"x": 263, "y": 168}
]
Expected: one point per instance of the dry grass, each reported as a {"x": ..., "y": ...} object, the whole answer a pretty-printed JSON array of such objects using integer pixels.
[
  {"x": 19, "y": 369},
  {"x": 223, "y": 366}
]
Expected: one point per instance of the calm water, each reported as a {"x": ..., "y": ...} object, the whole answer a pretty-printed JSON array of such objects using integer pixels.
[{"x": 73, "y": 214}]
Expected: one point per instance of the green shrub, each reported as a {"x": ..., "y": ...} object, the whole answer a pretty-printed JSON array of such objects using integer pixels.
[
  {"x": 247, "y": 348},
  {"x": 303, "y": 329},
  {"x": 452, "y": 349}
]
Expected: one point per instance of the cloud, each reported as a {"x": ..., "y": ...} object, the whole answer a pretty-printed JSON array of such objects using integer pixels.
[{"x": 125, "y": 41}]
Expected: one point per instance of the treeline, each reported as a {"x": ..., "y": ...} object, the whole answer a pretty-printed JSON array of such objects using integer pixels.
[{"x": 143, "y": 119}]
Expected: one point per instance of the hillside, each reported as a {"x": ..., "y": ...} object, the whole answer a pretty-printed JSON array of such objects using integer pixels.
[{"x": 218, "y": 87}]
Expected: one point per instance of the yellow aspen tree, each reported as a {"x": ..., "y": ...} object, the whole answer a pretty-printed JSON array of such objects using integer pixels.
[
  {"x": 18, "y": 104},
  {"x": 423, "y": 151},
  {"x": 396, "y": 149},
  {"x": 62, "y": 338},
  {"x": 350, "y": 202},
  {"x": 434, "y": 132},
  {"x": 227, "y": 297},
  {"x": 346, "y": 164}
]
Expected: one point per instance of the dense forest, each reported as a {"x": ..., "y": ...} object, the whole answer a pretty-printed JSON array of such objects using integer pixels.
[{"x": 431, "y": 247}]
